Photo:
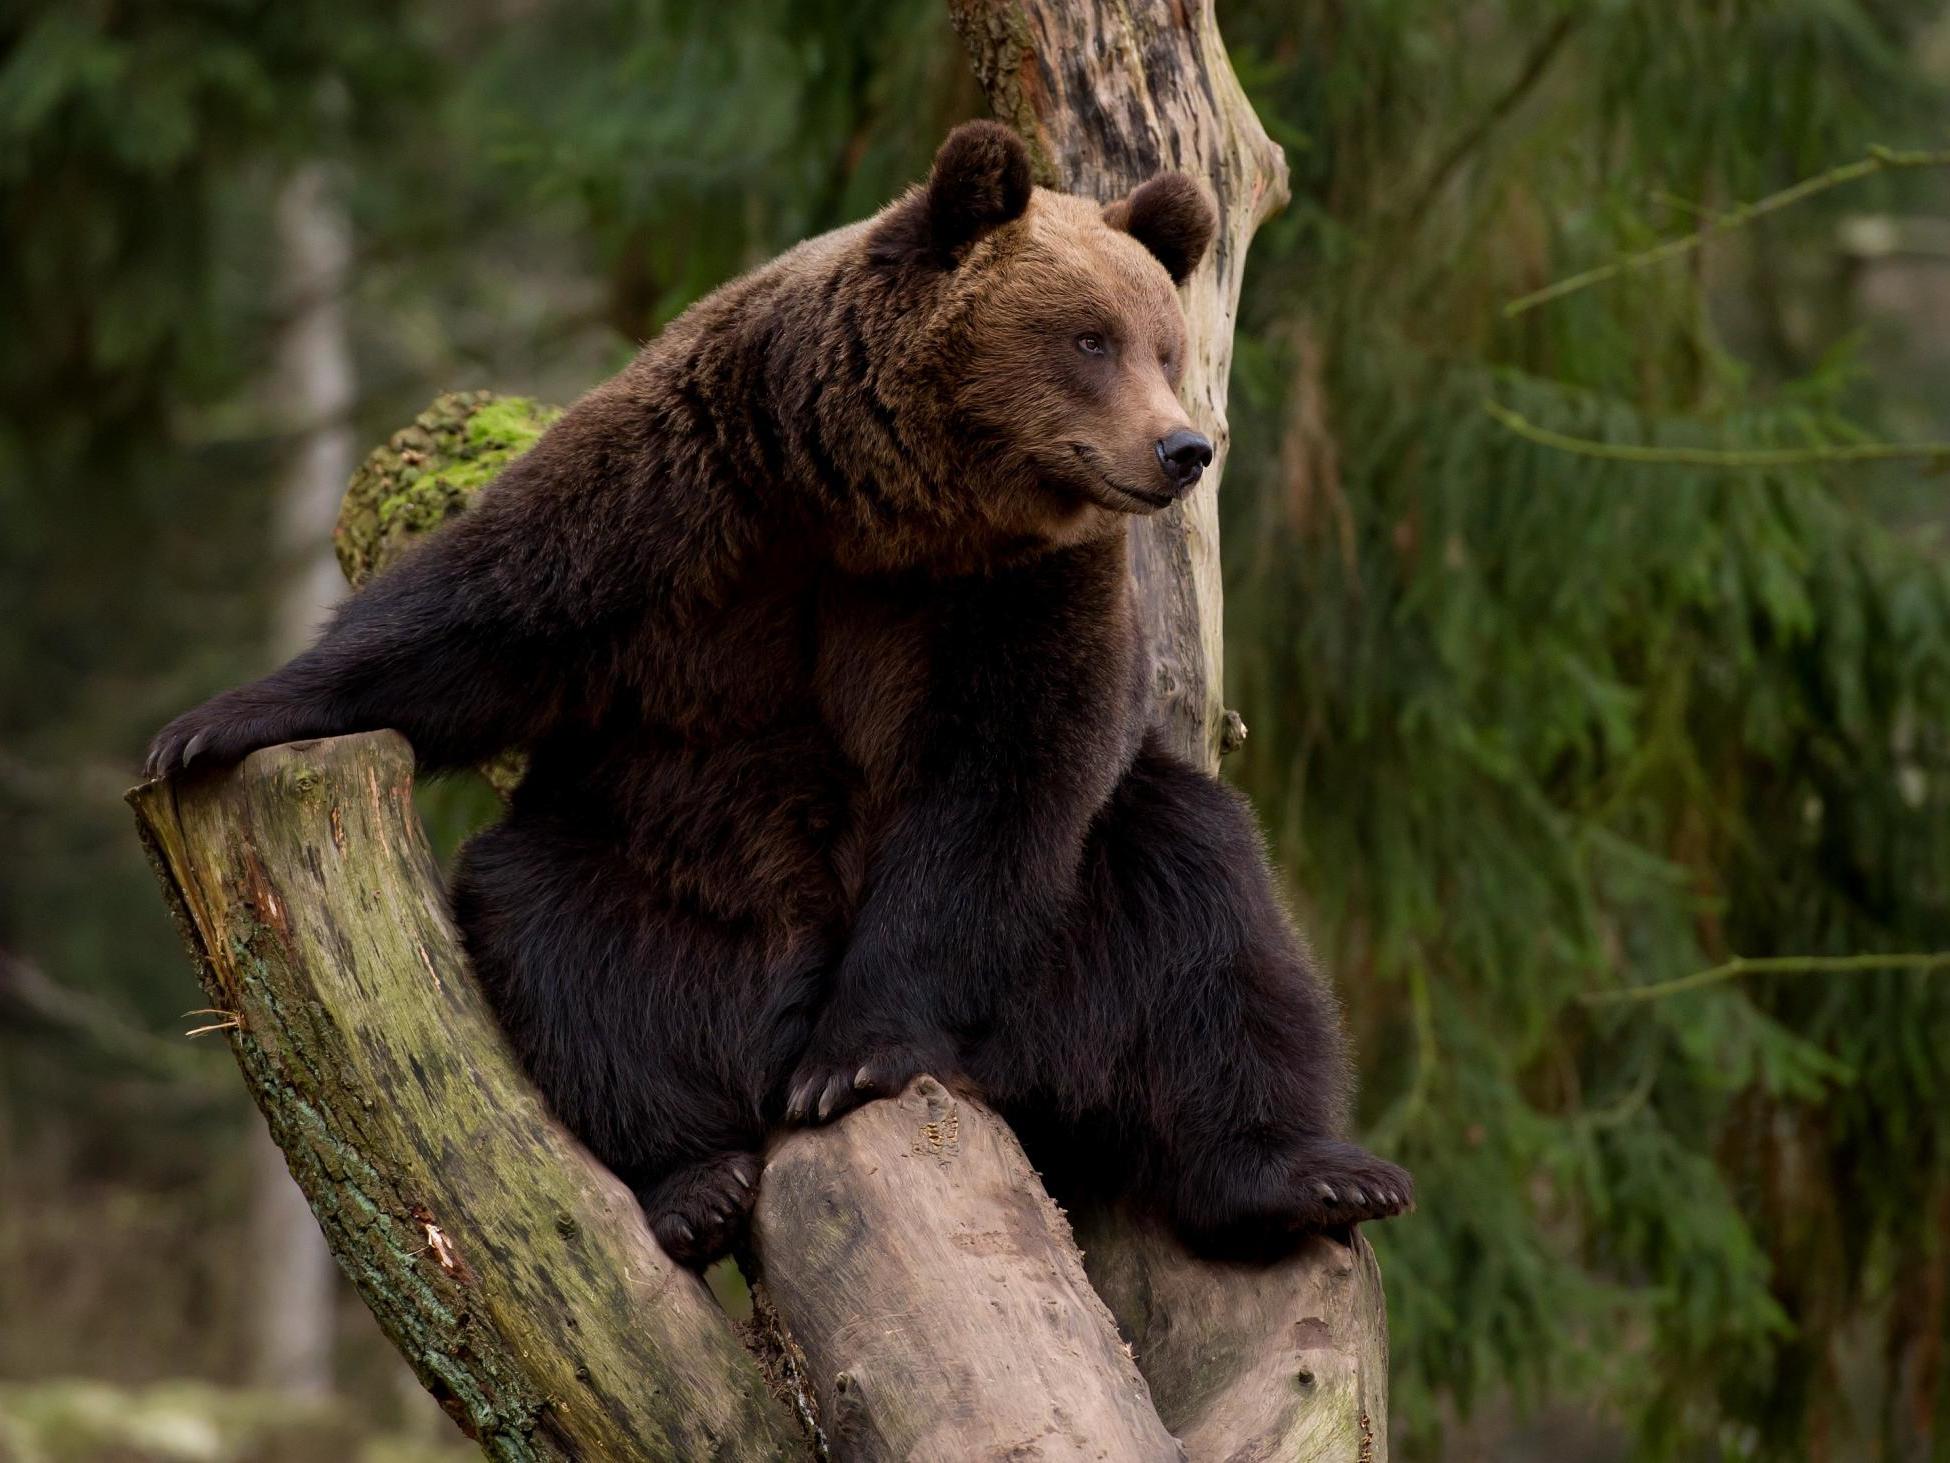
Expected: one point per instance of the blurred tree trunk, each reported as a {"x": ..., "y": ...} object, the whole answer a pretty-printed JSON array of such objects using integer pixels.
[{"x": 294, "y": 1283}]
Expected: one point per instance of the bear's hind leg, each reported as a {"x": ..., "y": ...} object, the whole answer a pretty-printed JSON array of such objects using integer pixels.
[
  {"x": 654, "y": 1032},
  {"x": 1184, "y": 1020}
]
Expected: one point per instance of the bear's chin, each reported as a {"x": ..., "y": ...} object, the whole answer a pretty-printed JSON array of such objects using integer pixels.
[
  {"x": 1085, "y": 476},
  {"x": 1128, "y": 501}
]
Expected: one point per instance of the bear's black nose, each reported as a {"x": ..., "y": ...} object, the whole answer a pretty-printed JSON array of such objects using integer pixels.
[{"x": 1183, "y": 455}]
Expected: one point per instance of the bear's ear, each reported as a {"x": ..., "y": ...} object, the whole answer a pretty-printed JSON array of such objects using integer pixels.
[
  {"x": 979, "y": 183},
  {"x": 1172, "y": 216}
]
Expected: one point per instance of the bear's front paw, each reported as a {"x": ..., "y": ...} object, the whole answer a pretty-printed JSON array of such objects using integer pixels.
[
  {"x": 217, "y": 733},
  {"x": 824, "y": 1087},
  {"x": 698, "y": 1212}
]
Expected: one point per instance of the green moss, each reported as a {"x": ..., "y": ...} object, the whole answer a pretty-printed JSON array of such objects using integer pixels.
[
  {"x": 429, "y": 471},
  {"x": 424, "y": 475}
]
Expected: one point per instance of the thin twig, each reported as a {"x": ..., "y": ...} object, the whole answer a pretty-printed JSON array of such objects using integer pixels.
[
  {"x": 1879, "y": 160},
  {"x": 1770, "y": 965},
  {"x": 1714, "y": 456}
]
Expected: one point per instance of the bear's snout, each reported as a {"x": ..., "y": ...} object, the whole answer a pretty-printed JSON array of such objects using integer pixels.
[{"x": 1184, "y": 455}]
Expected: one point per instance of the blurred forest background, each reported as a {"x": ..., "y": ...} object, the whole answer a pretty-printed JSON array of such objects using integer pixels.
[{"x": 1528, "y": 724}]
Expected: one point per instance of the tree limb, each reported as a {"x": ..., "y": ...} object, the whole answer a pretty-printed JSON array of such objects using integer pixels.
[
  {"x": 1715, "y": 457},
  {"x": 511, "y": 1270},
  {"x": 1879, "y": 160},
  {"x": 937, "y": 1295}
]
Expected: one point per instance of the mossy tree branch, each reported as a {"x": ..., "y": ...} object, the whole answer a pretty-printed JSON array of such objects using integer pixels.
[{"x": 511, "y": 1270}]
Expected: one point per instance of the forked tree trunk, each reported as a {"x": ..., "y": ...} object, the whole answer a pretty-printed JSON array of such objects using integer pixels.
[
  {"x": 516, "y": 1276},
  {"x": 921, "y": 1296}
]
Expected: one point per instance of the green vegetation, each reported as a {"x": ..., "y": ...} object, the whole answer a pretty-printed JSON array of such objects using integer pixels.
[
  {"x": 77, "y": 1421},
  {"x": 1538, "y": 715},
  {"x": 427, "y": 472},
  {"x": 1531, "y": 725}
]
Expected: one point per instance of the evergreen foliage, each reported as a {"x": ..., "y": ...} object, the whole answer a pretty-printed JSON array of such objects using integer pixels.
[{"x": 1529, "y": 725}]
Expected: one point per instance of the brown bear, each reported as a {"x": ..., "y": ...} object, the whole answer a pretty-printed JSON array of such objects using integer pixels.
[{"x": 817, "y": 624}]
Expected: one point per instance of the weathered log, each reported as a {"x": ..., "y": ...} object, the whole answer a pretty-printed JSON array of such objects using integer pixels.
[
  {"x": 1107, "y": 93},
  {"x": 512, "y": 1271},
  {"x": 1247, "y": 1361},
  {"x": 937, "y": 1297}
]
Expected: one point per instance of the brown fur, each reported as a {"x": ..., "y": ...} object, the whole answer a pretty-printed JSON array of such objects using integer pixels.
[{"x": 817, "y": 623}]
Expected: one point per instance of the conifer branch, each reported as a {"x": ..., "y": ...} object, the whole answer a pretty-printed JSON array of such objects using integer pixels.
[
  {"x": 1879, "y": 160},
  {"x": 1770, "y": 965},
  {"x": 1529, "y": 73},
  {"x": 1718, "y": 457}
]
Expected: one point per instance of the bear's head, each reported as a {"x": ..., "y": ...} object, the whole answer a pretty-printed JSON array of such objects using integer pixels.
[{"x": 1052, "y": 328}]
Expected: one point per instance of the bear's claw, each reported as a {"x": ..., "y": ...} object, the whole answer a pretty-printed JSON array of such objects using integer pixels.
[
  {"x": 698, "y": 1212},
  {"x": 1342, "y": 1184},
  {"x": 218, "y": 733},
  {"x": 823, "y": 1089}
]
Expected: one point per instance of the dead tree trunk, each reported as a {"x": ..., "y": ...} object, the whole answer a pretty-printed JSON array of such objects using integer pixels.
[
  {"x": 1108, "y": 93},
  {"x": 936, "y": 1297},
  {"x": 512, "y": 1271},
  {"x": 925, "y": 1298}
]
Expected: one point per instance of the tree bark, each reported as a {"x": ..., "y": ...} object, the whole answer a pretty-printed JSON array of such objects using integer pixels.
[
  {"x": 1250, "y": 1361},
  {"x": 936, "y": 1295},
  {"x": 1292, "y": 1361},
  {"x": 513, "y": 1272},
  {"x": 1109, "y": 93}
]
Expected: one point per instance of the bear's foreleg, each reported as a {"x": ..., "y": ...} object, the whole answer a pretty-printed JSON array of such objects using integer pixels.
[{"x": 961, "y": 903}]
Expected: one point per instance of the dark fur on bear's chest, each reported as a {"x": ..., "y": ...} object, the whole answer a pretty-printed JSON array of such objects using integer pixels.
[
  {"x": 749, "y": 771},
  {"x": 1041, "y": 658}
]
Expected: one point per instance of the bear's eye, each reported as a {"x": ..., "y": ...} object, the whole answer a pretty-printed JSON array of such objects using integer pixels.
[{"x": 1090, "y": 345}]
